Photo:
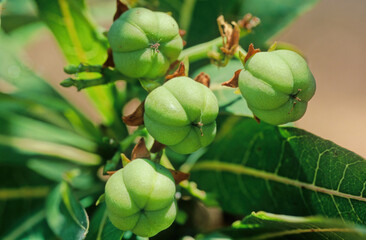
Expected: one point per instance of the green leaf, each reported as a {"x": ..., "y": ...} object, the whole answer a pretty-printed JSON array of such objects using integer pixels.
[
  {"x": 34, "y": 95},
  {"x": 49, "y": 110},
  {"x": 30, "y": 130},
  {"x": 17, "y": 13},
  {"x": 35, "y": 147},
  {"x": 21, "y": 191},
  {"x": 18, "y": 7},
  {"x": 55, "y": 170},
  {"x": 281, "y": 170},
  {"x": 25, "y": 36},
  {"x": 65, "y": 215},
  {"x": 149, "y": 85},
  {"x": 80, "y": 42},
  {"x": 228, "y": 100},
  {"x": 13, "y": 22},
  {"x": 262, "y": 225},
  {"x": 32, "y": 227},
  {"x": 77, "y": 36},
  {"x": 274, "y": 16},
  {"x": 101, "y": 227},
  {"x": 22, "y": 138},
  {"x": 21, "y": 126}
]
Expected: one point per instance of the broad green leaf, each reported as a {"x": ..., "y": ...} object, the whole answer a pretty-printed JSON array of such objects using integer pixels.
[
  {"x": 18, "y": 7},
  {"x": 51, "y": 169},
  {"x": 55, "y": 170},
  {"x": 32, "y": 227},
  {"x": 37, "y": 147},
  {"x": 28, "y": 34},
  {"x": 228, "y": 100},
  {"x": 77, "y": 36},
  {"x": 33, "y": 94},
  {"x": 101, "y": 228},
  {"x": 21, "y": 126},
  {"x": 17, "y": 13},
  {"x": 255, "y": 167},
  {"x": 65, "y": 215},
  {"x": 10, "y": 23},
  {"x": 80, "y": 42},
  {"x": 274, "y": 16},
  {"x": 262, "y": 225},
  {"x": 36, "y": 120},
  {"x": 31, "y": 130},
  {"x": 21, "y": 191},
  {"x": 47, "y": 110}
]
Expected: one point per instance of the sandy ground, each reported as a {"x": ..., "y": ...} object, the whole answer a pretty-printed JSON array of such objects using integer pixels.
[{"x": 333, "y": 38}]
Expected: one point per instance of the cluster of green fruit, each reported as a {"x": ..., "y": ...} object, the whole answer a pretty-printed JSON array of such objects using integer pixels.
[{"x": 181, "y": 113}]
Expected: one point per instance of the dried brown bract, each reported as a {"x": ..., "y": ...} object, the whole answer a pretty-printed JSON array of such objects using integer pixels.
[
  {"x": 137, "y": 117},
  {"x": 110, "y": 173},
  {"x": 251, "y": 52},
  {"x": 248, "y": 22},
  {"x": 180, "y": 72},
  {"x": 157, "y": 147},
  {"x": 256, "y": 119},
  {"x": 230, "y": 36},
  {"x": 179, "y": 176},
  {"x": 121, "y": 8},
  {"x": 109, "y": 62},
  {"x": 140, "y": 150},
  {"x": 182, "y": 32},
  {"x": 234, "y": 81},
  {"x": 203, "y": 78}
]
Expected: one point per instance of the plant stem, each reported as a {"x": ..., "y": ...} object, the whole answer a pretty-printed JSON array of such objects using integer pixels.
[
  {"x": 108, "y": 76},
  {"x": 82, "y": 83},
  {"x": 129, "y": 140},
  {"x": 26, "y": 225},
  {"x": 72, "y": 69},
  {"x": 186, "y": 14},
  {"x": 200, "y": 51}
]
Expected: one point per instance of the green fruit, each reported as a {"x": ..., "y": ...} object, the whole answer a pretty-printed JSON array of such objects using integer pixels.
[
  {"x": 144, "y": 43},
  {"x": 140, "y": 198},
  {"x": 181, "y": 114},
  {"x": 277, "y": 86}
]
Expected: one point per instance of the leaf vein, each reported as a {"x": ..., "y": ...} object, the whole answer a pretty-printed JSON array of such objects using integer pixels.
[
  {"x": 238, "y": 169},
  {"x": 318, "y": 164},
  {"x": 336, "y": 205},
  {"x": 354, "y": 210}
]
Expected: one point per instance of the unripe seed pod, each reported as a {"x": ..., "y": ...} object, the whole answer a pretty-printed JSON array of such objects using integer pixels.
[
  {"x": 181, "y": 114},
  {"x": 144, "y": 43},
  {"x": 140, "y": 198},
  {"x": 277, "y": 86}
]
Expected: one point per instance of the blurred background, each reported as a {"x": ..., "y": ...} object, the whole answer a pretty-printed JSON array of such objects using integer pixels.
[{"x": 332, "y": 36}]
